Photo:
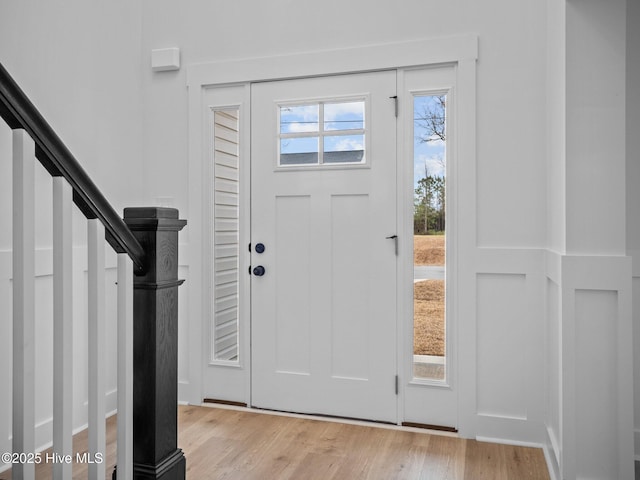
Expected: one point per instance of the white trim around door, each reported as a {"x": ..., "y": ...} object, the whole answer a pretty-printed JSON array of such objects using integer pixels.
[{"x": 459, "y": 51}]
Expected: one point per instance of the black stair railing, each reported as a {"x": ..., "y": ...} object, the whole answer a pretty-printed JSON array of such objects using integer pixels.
[
  {"x": 149, "y": 236},
  {"x": 18, "y": 112}
]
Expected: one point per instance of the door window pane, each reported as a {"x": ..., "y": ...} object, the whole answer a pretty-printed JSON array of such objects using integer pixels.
[
  {"x": 299, "y": 151},
  {"x": 429, "y": 228},
  {"x": 299, "y": 119},
  {"x": 344, "y": 149},
  {"x": 226, "y": 246},
  {"x": 344, "y": 116}
]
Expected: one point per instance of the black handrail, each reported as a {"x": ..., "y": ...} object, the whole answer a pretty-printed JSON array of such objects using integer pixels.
[{"x": 18, "y": 112}]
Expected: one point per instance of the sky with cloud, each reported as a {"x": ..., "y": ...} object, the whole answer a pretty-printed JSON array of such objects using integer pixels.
[
  {"x": 426, "y": 154},
  {"x": 339, "y": 117}
]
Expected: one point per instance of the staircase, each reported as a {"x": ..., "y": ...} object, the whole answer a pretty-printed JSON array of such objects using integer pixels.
[{"x": 145, "y": 242}]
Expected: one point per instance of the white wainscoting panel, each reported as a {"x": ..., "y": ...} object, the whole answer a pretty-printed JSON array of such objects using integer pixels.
[
  {"x": 597, "y": 367},
  {"x": 510, "y": 340},
  {"x": 502, "y": 343},
  {"x": 596, "y": 315}
]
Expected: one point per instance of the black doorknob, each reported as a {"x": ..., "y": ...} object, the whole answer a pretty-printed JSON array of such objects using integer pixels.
[
  {"x": 260, "y": 248},
  {"x": 259, "y": 271}
]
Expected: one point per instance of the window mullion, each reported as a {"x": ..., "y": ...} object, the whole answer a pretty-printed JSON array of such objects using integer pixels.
[
  {"x": 321, "y": 134},
  {"x": 333, "y": 133}
]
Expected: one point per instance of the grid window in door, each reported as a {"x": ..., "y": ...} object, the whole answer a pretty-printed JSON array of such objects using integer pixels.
[{"x": 322, "y": 133}]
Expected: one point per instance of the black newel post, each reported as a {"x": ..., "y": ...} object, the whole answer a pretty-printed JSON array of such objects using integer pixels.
[{"x": 155, "y": 346}]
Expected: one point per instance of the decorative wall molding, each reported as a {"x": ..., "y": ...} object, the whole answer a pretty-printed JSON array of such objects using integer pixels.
[
  {"x": 594, "y": 309},
  {"x": 635, "y": 261},
  {"x": 430, "y": 51}
]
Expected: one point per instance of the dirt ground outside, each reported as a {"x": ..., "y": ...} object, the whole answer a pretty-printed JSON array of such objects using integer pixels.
[
  {"x": 428, "y": 298},
  {"x": 428, "y": 250}
]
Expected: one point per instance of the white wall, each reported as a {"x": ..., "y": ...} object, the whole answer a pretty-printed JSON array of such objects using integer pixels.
[
  {"x": 510, "y": 82},
  {"x": 80, "y": 63},
  {"x": 595, "y": 97},
  {"x": 633, "y": 192},
  {"x": 555, "y": 125}
]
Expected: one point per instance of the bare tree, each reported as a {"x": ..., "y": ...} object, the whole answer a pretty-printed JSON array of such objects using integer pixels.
[{"x": 431, "y": 119}]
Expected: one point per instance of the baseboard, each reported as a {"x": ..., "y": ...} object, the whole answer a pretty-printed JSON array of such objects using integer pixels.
[
  {"x": 636, "y": 435},
  {"x": 184, "y": 387},
  {"x": 503, "y": 441},
  {"x": 552, "y": 454},
  {"x": 553, "y": 443},
  {"x": 552, "y": 464}
]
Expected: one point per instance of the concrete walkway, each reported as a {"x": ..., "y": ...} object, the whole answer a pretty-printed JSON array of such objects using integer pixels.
[{"x": 427, "y": 272}]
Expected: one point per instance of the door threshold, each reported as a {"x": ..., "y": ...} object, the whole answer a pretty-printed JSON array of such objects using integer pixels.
[
  {"x": 224, "y": 402},
  {"x": 427, "y": 426},
  {"x": 405, "y": 426},
  {"x": 335, "y": 418}
]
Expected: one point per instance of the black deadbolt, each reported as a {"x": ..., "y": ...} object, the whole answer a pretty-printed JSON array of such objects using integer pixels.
[{"x": 259, "y": 247}]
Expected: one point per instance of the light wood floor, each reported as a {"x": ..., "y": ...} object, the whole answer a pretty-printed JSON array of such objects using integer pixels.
[{"x": 240, "y": 445}]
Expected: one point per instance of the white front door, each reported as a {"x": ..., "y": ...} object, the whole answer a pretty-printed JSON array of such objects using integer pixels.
[{"x": 323, "y": 206}]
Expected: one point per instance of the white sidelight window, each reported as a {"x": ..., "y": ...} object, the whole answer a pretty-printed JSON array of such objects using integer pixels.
[
  {"x": 226, "y": 242},
  {"x": 429, "y": 230}
]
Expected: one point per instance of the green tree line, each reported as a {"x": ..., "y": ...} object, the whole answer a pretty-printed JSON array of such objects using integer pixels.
[{"x": 429, "y": 206}]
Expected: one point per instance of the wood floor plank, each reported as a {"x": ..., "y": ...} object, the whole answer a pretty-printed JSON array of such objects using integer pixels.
[
  {"x": 484, "y": 461},
  {"x": 444, "y": 458},
  {"x": 528, "y": 463},
  {"x": 232, "y": 444}
]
